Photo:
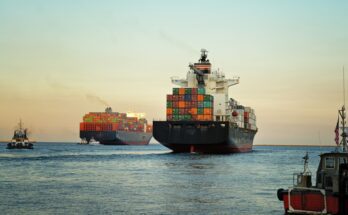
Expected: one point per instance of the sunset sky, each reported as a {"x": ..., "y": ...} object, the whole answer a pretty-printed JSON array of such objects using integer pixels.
[{"x": 59, "y": 59}]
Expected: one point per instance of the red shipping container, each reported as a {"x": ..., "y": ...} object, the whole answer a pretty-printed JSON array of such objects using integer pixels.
[
  {"x": 194, "y": 91},
  {"x": 82, "y": 126},
  {"x": 181, "y": 111},
  {"x": 169, "y": 98}
]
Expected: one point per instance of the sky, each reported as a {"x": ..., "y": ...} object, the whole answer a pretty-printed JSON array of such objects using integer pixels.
[{"x": 62, "y": 59}]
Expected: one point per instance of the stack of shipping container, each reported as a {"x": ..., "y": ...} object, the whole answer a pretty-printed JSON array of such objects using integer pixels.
[
  {"x": 190, "y": 104},
  {"x": 104, "y": 121},
  {"x": 244, "y": 117}
]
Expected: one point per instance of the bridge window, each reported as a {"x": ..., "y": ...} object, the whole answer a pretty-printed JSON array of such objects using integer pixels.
[{"x": 329, "y": 163}]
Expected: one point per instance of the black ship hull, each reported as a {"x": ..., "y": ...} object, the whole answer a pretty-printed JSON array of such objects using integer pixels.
[
  {"x": 117, "y": 137},
  {"x": 203, "y": 136},
  {"x": 20, "y": 145}
]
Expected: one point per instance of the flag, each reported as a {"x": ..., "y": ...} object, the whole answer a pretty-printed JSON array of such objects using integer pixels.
[{"x": 336, "y": 133}]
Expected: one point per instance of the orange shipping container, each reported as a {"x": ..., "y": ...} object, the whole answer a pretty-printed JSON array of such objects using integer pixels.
[
  {"x": 169, "y": 111},
  {"x": 200, "y": 117},
  {"x": 208, "y": 117},
  {"x": 200, "y": 98},
  {"x": 207, "y": 111},
  {"x": 181, "y": 104},
  {"x": 193, "y": 111},
  {"x": 181, "y": 91}
]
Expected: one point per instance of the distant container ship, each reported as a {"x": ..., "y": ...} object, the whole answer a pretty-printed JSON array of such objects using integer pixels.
[
  {"x": 113, "y": 128},
  {"x": 202, "y": 118}
]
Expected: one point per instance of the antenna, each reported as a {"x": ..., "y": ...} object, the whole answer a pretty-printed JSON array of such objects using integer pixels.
[
  {"x": 342, "y": 113},
  {"x": 344, "y": 89}
]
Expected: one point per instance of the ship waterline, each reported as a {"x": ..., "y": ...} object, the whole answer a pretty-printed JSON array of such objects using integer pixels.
[
  {"x": 203, "y": 137},
  {"x": 118, "y": 137}
]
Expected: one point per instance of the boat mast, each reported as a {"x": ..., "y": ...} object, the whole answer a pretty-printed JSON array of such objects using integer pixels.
[{"x": 342, "y": 113}]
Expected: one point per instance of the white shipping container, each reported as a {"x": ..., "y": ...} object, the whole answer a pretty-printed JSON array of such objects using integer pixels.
[{"x": 253, "y": 127}]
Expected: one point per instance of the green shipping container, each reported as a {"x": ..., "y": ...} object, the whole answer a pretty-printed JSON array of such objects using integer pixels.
[
  {"x": 187, "y": 117},
  {"x": 175, "y": 91},
  {"x": 208, "y": 98},
  {"x": 201, "y": 90},
  {"x": 208, "y": 104},
  {"x": 200, "y": 111},
  {"x": 169, "y": 104},
  {"x": 175, "y": 111},
  {"x": 175, "y": 117},
  {"x": 188, "y": 91}
]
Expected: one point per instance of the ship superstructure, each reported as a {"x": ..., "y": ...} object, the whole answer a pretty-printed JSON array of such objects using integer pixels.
[{"x": 202, "y": 118}]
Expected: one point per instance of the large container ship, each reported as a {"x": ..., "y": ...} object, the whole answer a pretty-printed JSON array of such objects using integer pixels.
[
  {"x": 202, "y": 118},
  {"x": 113, "y": 128}
]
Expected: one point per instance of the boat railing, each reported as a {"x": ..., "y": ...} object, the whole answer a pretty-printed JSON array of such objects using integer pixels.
[
  {"x": 292, "y": 210},
  {"x": 302, "y": 179}
]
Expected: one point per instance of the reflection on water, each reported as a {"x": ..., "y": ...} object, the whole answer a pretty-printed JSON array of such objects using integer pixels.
[{"x": 79, "y": 179}]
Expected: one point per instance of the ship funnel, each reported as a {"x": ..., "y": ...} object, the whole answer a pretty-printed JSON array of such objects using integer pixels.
[{"x": 108, "y": 110}]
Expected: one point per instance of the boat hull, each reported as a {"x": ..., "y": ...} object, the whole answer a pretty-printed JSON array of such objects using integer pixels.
[
  {"x": 311, "y": 201},
  {"x": 203, "y": 136},
  {"x": 20, "y": 146},
  {"x": 117, "y": 137}
]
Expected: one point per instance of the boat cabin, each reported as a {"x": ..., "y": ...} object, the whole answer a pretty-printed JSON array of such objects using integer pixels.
[{"x": 332, "y": 172}]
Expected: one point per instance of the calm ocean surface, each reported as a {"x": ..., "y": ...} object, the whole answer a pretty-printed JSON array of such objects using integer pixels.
[{"x": 66, "y": 178}]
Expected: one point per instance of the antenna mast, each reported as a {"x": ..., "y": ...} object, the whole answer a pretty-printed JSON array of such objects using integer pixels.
[
  {"x": 342, "y": 113},
  {"x": 344, "y": 89}
]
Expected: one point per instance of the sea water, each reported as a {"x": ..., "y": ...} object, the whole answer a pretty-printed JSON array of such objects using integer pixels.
[{"x": 67, "y": 178}]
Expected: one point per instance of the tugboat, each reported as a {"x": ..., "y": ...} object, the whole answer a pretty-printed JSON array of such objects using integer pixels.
[
  {"x": 92, "y": 141},
  {"x": 20, "y": 139},
  {"x": 330, "y": 193}
]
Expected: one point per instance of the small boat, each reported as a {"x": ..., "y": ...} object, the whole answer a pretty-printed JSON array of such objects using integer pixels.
[
  {"x": 83, "y": 141},
  {"x": 329, "y": 195},
  {"x": 92, "y": 141},
  {"x": 20, "y": 139}
]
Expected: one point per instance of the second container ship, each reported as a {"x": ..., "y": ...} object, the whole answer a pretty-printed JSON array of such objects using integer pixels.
[
  {"x": 113, "y": 128},
  {"x": 202, "y": 118}
]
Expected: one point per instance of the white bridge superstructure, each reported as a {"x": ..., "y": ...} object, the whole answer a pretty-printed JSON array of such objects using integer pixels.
[{"x": 215, "y": 84}]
